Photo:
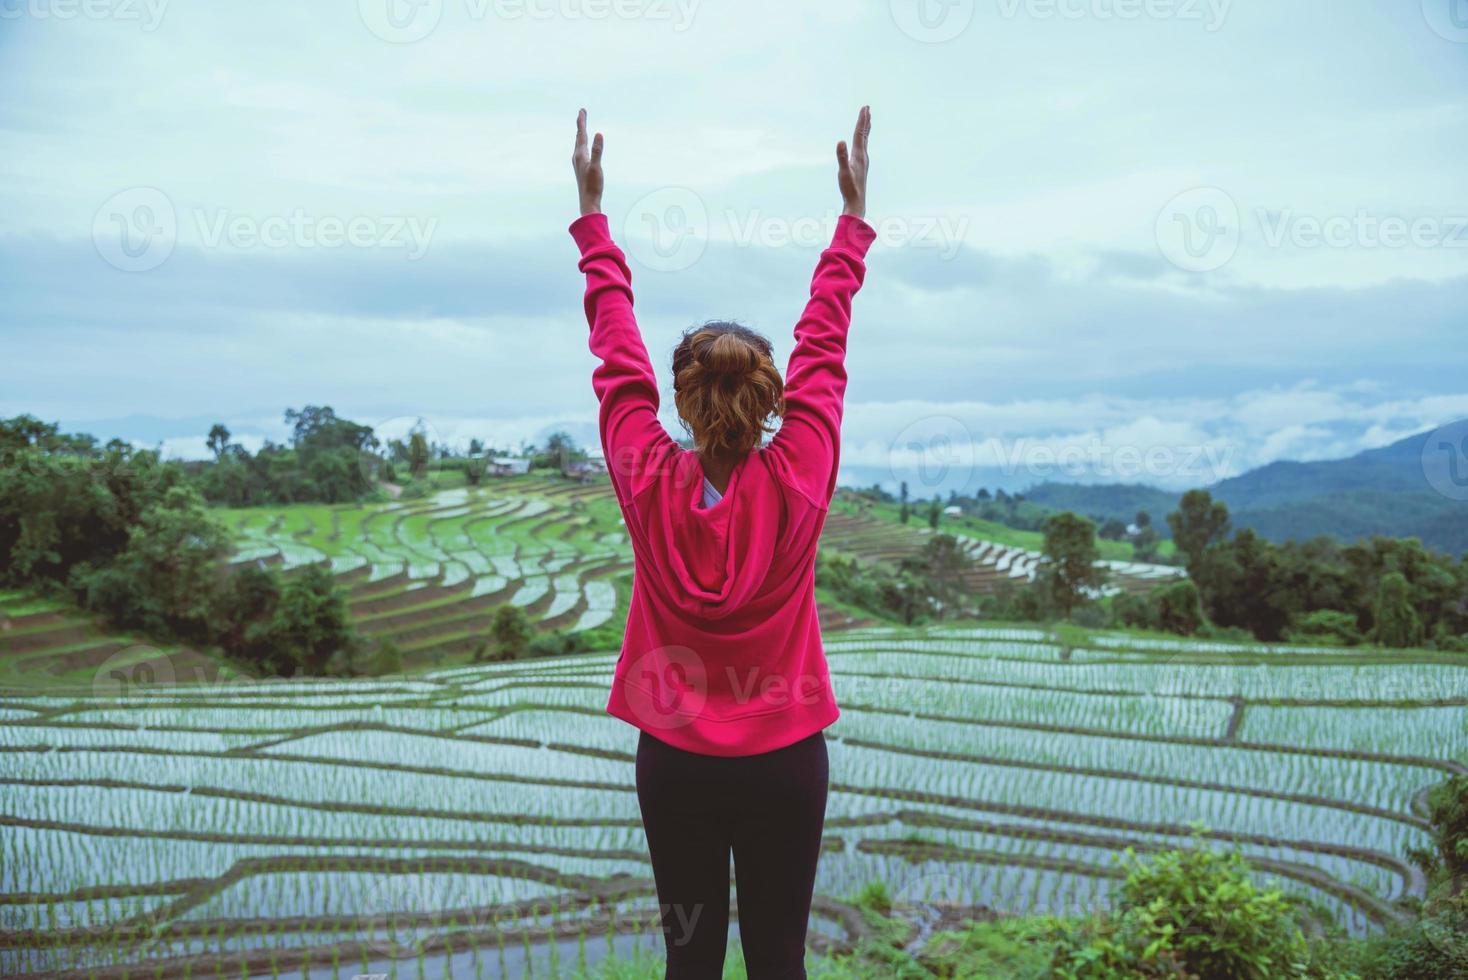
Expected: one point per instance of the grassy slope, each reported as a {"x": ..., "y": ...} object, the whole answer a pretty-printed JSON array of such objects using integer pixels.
[{"x": 989, "y": 531}]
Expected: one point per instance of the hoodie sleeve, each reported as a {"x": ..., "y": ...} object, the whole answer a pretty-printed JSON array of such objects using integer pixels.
[
  {"x": 809, "y": 440},
  {"x": 632, "y": 437}
]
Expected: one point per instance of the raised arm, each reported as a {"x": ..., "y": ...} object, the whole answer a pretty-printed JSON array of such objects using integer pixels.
[
  {"x": 809, "y": 439},
  {"x": 625, "y": 385}
]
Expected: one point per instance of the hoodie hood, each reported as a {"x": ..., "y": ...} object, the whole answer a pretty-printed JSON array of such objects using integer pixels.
[{"x": 709, "y": 562}]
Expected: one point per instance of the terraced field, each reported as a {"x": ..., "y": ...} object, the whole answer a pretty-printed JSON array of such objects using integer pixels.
[
  {"x": 428, "y": 573},
  {"x": 994, "y": 564},
  {"x": 482, "y": 820}
]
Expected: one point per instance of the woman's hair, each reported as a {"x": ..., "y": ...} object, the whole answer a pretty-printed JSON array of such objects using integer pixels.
[{"x": 726, "y": 388}]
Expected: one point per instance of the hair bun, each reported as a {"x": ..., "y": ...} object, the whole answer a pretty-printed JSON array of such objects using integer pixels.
[{"x": 728, "y": 356}]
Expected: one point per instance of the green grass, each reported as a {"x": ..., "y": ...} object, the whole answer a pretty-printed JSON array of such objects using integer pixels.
[{"x": 982, "y": 530}]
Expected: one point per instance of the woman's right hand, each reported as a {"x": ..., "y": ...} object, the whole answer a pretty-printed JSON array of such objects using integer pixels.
[
  {"x": 586, "y": 161},
  {"x": 851, "y": 171}
]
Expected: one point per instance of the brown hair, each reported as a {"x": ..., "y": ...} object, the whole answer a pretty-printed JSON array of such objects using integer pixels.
[{"x": 726, "y": 388}]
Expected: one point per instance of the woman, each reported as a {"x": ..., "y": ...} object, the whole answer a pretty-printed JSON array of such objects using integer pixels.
[{"x": 722, "y": 667}]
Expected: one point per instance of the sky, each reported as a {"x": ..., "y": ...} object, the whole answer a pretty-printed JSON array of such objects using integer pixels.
[{"x": 1158, "y": 241}]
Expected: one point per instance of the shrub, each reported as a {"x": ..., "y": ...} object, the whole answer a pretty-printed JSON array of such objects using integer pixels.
[
  {"x": 1397, "y": 623},
  {"x": 1325, "y": 626},
  {"x": 387, "y": 658},
  {"x": 1179, "y": 608},
  {"x": 512, "y": 632},
  {"x": 1189, "y": 913},
  {"x": 1131, "y": 610}
]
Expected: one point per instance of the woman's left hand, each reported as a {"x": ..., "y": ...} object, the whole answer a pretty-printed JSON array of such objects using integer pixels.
[{"x": 587, "y": 162}]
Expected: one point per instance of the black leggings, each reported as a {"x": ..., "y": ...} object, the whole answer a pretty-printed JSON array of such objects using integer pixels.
[{"x": 769, "y": 810}]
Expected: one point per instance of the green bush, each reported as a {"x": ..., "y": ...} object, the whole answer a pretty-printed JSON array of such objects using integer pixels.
[
  {"x": 1189, "y": 913},
  {"x": 512, "y": 632},
  {"x": 1325, "y": 626},
  {"x": 1134, "y": 611},
  {"x": 387, "y": 658},
  {"x": 1179, "y": 608}
]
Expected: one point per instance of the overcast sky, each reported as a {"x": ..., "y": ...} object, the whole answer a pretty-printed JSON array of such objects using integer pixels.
[{"x": 1177, "y": 237}]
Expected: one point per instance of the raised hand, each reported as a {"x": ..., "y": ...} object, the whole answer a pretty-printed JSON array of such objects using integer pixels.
[
  {"x": 587, "y": 163},
  {"x": 851, "y": 172}
]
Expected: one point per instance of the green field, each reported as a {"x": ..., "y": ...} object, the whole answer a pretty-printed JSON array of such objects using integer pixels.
[
  {"x": 164, "y": 817},
  {"x": 488, "y": 812}
]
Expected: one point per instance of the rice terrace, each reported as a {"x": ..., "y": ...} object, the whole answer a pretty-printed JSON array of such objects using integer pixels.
[{"x": 167, "y": 815}]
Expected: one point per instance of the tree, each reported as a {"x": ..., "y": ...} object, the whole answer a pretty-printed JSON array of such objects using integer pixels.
[
  {"x": 1199, "y": 523},
  {"x": 512, "y": 632},
  {"x": 388, "y": 658},
  {"x": 1397, "y": 623},
  {"x": 934, "y": 512},
  {"x": 904, "y": 512},
  {"x": 1146, "y": 544},
  {"x": 1180, "y": 608},
  {"x": 166, "y": 581},
  {"x": 1069, "y": 567},
  {"x": 311, "y": 623},
  {"x": 218, "y": 440},
  {"x": 419, "y": 454},
  {"x": 1112, "y": 530},
  {"x": 943, "y": 563}
]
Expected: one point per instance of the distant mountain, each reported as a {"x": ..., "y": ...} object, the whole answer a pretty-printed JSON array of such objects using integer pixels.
[
  {"x": 1380, "y": 491},
  {"x": 1394, "y": 469}
]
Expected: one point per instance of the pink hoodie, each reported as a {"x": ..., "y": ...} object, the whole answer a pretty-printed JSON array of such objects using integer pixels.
[{"x": 722, "y": 653}]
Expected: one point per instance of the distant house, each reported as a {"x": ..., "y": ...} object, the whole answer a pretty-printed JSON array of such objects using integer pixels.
[
  {"x": 953, "y": 510},
  {"x": 585, "y": 470},
  {"x": 507, "y": 466}
]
